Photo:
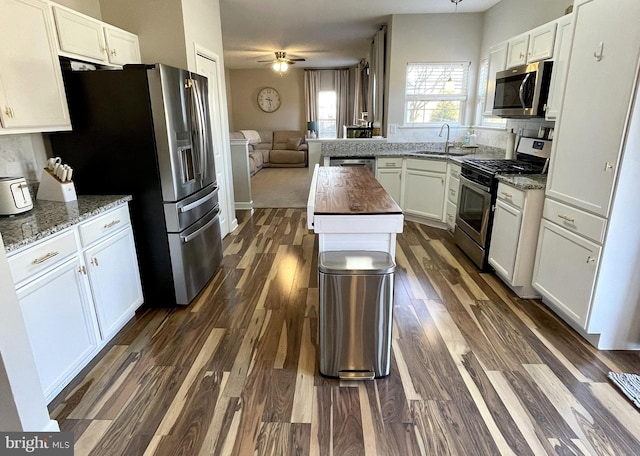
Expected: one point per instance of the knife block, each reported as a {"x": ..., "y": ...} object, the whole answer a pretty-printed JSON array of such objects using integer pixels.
[{"x": 52, "y": 189}]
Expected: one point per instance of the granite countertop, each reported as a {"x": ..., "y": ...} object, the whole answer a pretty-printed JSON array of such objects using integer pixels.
[
  {"x": 49, "y": 217},
  {"x": 524, "y": 181}
]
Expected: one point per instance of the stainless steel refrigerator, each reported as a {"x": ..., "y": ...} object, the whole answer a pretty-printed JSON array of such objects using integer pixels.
[{"x": 145, "y": 131}]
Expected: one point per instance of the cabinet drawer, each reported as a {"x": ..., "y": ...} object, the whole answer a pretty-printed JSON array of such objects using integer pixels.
[
  {"x": 452, "y": 191},
  {"x": 104, "y": 224},
  {"x": 511, "y": 195},
  {"x": 438, "y": 166},
  {"x": 580, "y": 222},
  {"x": 36, "y": 259},
  {"x": 389, "y": 162},
  {"x": 454, "y": 171}
]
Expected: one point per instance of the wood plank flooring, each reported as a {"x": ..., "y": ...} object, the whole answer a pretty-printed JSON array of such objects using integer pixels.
[{"x": 475, "y": 370}]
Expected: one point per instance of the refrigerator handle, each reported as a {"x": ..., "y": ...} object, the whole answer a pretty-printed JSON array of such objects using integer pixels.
[{"x": 202, "y": 128}]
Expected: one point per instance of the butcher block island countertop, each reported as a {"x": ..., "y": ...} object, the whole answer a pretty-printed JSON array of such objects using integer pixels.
[
  {"x": 349, "y": 210},
  {"x": 351, "y": 191}
]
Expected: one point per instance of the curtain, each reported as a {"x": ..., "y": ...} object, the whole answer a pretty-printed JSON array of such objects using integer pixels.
[
  {"x": 345, "y": 99},
  {"x": 376, "y": 77},
  {"x": 311, "y": 88}
]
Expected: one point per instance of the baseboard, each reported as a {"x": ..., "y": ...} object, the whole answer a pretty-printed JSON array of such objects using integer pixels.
[{"x": 244, "y": 206}]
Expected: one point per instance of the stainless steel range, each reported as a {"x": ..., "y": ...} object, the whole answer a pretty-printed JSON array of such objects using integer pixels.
[{"x": 478, "y": 189}]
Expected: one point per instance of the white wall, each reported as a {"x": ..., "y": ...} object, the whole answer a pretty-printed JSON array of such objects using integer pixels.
[
  {"x": 429, "y": 38},
  {"x": 244, "y": 88},
  {"x": 88, "y": 7}
]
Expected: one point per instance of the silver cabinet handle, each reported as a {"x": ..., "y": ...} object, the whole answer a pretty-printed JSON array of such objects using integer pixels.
[
  {"x": 114, "y": 52},
  {"x": 45, "y": 257},
  {"x": 455, "y": 174},
  {"x": 94, "y": 261},
  {"x": 608, "y": 166},
  {"x": 590, "y": 259},
  {"x": 566, "y": 218},
  {"x": 82, "y": 270},
  {"x": 111, "y": 224},
  {"x": 506, "y": 195}
]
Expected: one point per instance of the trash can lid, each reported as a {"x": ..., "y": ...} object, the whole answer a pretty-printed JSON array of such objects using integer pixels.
[{"x": 356, "y": 262}]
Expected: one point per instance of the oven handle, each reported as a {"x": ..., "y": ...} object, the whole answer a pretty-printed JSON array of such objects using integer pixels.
[{"x": 470, "y": 183}]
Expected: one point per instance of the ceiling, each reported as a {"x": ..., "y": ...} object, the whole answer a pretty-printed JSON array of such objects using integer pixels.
[{"x": 327, "y": 33}]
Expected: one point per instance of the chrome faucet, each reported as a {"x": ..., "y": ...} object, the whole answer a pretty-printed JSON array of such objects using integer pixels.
[{"x": 446, "y": 142}]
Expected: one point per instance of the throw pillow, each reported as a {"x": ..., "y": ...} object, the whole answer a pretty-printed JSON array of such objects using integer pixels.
[{"x": 293, "y": 143}]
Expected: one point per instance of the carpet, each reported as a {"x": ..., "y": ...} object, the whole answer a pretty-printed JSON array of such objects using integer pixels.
[
  {"x": 280, "y": 187},
  {"x": 629, "y": 384}
]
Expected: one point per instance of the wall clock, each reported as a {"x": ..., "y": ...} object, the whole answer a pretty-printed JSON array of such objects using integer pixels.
[{"x": 268, "y": 99}]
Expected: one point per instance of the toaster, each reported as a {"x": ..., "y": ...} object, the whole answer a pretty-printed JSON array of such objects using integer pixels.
[{"x": 14, "y": 196}]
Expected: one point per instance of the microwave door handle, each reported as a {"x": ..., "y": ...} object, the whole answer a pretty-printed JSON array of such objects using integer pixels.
[{"x": 521, "y": 91}]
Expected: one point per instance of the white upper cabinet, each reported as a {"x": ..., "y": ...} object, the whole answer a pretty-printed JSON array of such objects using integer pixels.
[
  {"x": 561, "y": 54},
  {"x": 518, "y": 47},
  {"x": 541, "y": 41},
  {"x": 535, "y": 45},
  {"x": 32, "y": 96},
  {"x": 497, "y": 62},
  {"x": 123, "y": 47},
  {"x": 599, "y": 87},
  {"x": 81, "y": 36}
]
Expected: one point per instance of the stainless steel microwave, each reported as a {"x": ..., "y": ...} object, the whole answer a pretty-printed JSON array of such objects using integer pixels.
[{"x": 522, "y": 91}]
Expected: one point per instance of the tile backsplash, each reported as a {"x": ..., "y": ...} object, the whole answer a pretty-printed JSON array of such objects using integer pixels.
[{"x": 22, "y": 156}]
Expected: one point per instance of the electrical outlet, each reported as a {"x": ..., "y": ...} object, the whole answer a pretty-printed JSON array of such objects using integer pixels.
[{"x": 393, "y": 129}]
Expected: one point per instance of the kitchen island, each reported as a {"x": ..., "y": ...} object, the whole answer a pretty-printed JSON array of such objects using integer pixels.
[{"x": 350, "y": 210}]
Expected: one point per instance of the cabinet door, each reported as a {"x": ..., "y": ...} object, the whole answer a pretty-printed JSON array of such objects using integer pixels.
[
  {"x": 122, "y": 46},
  {"x": 115, "y": 281},
  {"x": 541, "y": 41},
  {"x": 31, "y": 90},
  {"x": 598, "y": 91},
  {"x": 79, "y": 34},
  {"x": 561, "y": 54},
  {"x": 497, "y": 62},
  {"x": 59, "y": 321},
  {"x": 391, "y": 180},
  {"x": 565, "y": 270},
  {"x": 518, "y": 47},
  {"x": 505, "y": 233},
  {"x": 424, "y": 194}
]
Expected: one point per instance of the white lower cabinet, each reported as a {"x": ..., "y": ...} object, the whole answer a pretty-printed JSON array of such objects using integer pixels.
[
  {"x": 389, "y": 174},
  {"x": 565, "y": 270},
  {"x": 514, "y": 235},
  {"x": 115, "y": 281},
  {"x": 76, "y": 290},
  {"x": 424, "y": 188},
  {"x": 60, "y": 324}
]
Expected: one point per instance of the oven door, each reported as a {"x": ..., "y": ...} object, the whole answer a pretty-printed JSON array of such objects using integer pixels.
[{"x": 474, "y": 210}]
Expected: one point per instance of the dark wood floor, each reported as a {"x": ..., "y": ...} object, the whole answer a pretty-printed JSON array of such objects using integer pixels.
[{"x": 475, "y": 370}]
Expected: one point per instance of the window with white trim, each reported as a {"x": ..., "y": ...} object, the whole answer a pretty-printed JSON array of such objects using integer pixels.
[
  {"x": 435, "y": 93},
  {"x": 481, "y": 107}
]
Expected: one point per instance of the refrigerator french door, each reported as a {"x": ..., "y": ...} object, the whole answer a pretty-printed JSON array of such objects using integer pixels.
[{"x": 144, "y": 131}]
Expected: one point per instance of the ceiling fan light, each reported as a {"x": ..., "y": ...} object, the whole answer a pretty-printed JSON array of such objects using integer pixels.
[
  {"x": 284, "y": 66},
  {"x": 276, "y": 66}
]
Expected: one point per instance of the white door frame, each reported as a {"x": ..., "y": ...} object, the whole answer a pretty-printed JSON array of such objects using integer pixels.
[{"x": 222, "y": 139}]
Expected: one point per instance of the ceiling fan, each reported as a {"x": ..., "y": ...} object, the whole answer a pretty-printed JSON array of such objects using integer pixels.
[{"x": 281, "y": 62}]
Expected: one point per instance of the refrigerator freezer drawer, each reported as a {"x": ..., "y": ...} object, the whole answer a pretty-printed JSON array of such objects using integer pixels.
[
  {"x": 196, "y": 254},
  {"x": 179, "y": 216}
]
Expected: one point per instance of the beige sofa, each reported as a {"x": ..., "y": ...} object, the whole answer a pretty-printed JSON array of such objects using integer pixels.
[{"x": 276, "y": 149}]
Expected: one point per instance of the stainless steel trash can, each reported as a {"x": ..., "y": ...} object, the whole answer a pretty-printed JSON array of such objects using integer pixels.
[{"x": 356, "y": 301}]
